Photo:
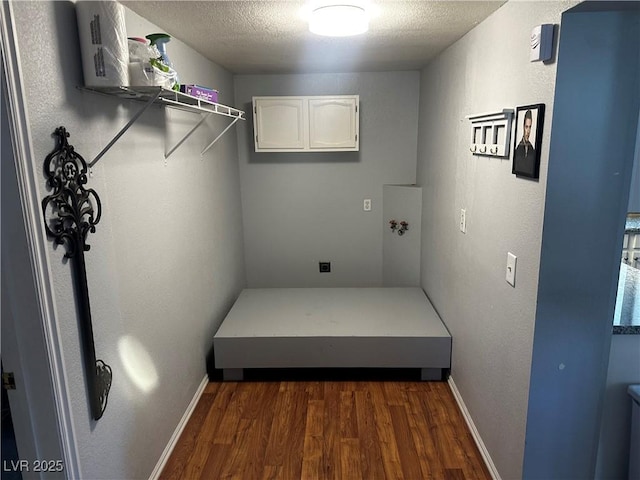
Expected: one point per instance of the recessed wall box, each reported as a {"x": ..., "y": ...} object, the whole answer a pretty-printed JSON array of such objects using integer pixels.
[{"x": 541, "y": 43}]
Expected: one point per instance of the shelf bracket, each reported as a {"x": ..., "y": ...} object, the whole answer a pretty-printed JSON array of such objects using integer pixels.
[
  {"x": 144, "y": 108},
  {"x": 221, "y": 134},
  {"x": 202, "y": 120},
  {"x": 171, "y": 99}
]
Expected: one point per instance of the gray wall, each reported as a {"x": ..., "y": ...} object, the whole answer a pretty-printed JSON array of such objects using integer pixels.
[
  {"x": 590, "y": 164},
  {"x": 624, "y": 370},
  {"x": 166, "y": 261},
  {"x": 491, "y": 322},
  {"x": 302, "y": 208}
]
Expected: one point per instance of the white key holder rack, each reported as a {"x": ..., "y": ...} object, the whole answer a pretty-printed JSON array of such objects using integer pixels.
[
  {"x": 171, "y": 99},
  {"x": 491, "y": 133}
]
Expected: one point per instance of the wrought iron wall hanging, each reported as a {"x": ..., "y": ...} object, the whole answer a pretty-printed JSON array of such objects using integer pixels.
[{"x": 69, "y": 216}]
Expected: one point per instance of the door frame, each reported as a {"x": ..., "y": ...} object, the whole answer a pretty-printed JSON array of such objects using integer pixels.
[{"x": 35, "y": 351}]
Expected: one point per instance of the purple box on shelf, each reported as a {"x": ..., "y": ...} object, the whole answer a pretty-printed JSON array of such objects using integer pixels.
[{"x": 200, "y": 92}]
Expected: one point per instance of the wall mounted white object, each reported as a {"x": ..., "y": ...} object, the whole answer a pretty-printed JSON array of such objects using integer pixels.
[
  {"x": 306, "y": 124},
  {"x": 491, "y": 133},
  {"x": 541, "y": 43}
]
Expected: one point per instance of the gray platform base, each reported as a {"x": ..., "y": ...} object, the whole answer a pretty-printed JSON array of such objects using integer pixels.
[
  {"x": 426, "y": 374},
  {"x": 232, "y": 374},
  {"x": 431, "y": 374},
  {"x": 333, "y": 328}
]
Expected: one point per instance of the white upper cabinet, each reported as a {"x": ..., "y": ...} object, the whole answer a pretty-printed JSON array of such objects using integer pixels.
[
  {"x": 333, "y": 123},
  {"x": 305, "y": 124},
  {"x": 280, "y": 123}
]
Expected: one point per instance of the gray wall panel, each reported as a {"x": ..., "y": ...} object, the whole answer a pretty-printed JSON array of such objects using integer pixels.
[{"x": 302, "y": 208}]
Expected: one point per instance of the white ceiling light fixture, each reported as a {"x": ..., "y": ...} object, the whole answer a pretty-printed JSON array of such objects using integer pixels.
[{"x": 339, "y": 19}]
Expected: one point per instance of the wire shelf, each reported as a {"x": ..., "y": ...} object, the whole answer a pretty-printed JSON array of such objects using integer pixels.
[{"x": 170, "y": 99}]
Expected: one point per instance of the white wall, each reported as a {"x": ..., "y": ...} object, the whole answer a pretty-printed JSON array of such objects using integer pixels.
[
  {"x": 302, "y": 208},
  {"x": 166, "y": 261},
  {"x": 490, "y": 321}
]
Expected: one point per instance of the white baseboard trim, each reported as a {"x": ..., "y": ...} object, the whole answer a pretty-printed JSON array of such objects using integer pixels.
[
  {"x": 178, "y": 431},
  {"x": 474, "y": 431}
]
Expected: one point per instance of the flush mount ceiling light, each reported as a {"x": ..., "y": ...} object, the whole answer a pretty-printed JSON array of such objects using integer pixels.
[{"x": 339, "y": 19}]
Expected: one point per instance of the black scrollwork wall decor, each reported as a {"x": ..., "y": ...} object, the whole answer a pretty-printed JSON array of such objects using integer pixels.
[{"x": 70, "y": 213}]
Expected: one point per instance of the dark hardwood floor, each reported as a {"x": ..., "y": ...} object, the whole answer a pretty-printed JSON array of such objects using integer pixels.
[{"x": 343, "y": 430}]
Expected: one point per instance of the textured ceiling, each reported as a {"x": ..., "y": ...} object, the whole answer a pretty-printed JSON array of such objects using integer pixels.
[{"x": 271, "y": 36}]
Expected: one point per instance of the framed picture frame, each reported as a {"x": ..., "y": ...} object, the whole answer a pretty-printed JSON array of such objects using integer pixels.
[{"x": 529, "y": 120}]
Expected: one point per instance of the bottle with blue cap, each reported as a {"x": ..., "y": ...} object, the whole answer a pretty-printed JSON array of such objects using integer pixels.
[{"x": 160, "y": 40}]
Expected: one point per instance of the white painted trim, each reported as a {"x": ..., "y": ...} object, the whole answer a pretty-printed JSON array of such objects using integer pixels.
[
  {"x": 36, "y": 238},
  {"x": 173, "y": 441},
  {"x": 474, "y": 431}
]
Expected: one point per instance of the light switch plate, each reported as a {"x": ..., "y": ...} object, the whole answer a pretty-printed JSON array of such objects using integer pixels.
[
  {"x": 463, "y": 220},
  {"x": 511, "y": 269}
]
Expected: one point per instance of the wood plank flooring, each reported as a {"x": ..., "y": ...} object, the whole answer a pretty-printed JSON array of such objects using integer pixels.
[{"x": 330, "y": 430}]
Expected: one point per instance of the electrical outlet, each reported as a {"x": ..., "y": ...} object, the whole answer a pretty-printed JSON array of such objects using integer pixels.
[
  {"x": 367, "y": 205},
  {"x": 325, "y": 267},
  {"x": 463, "y": 220}
]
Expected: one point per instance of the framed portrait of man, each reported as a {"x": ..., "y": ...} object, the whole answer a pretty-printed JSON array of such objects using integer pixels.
[{"x": 528, "y": 140}]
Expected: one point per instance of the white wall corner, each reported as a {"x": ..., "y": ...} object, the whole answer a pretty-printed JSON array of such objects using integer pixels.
[
  {"x": 474, "y": 431},
  {"x": 173, "y": 441}
]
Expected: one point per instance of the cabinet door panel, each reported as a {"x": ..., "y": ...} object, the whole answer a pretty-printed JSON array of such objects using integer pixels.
[
  {"x": 280, "y": 123},
  {"x": 333, "y": 123}
]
